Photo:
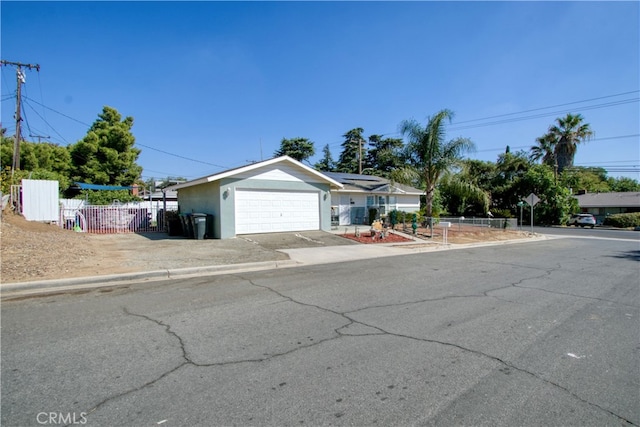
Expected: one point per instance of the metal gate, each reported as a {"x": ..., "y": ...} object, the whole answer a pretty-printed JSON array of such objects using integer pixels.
[{"x": 113, "y": 219}]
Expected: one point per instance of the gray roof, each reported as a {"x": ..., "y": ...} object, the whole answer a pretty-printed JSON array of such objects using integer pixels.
[
  {"x": 276, "y": 160},
  {"x": 627, "y": 199},
  {"x": 369, "y": 183}
]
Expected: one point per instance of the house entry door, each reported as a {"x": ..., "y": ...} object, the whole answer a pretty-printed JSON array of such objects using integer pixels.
[{"x": 345, "y": 210}]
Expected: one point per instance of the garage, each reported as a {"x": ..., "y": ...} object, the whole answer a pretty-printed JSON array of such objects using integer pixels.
[
  {"x": 276, "y": 211},
  {"x": 275, "y": 195}
]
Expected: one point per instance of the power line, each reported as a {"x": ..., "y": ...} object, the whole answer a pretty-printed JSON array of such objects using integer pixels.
[
  {"x": 545, "y": 108},
  {"x": 141, "y": 145},
  {"x": 455, "y": 126},
  {"x": 591, "y": 140},
  {"x": 182, "y": 157},
  {"x": 611, "y": 161},
  {"x": 517, "y": 119},
  {"x": 45, "y": 121},
  {"x": 58, "y": 112}
]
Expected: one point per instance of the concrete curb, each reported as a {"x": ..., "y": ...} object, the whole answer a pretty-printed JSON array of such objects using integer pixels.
[{"x": 8, "y": 290}]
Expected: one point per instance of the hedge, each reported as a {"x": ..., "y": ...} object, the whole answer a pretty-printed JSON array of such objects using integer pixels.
[{"x": 624, "y": 220}]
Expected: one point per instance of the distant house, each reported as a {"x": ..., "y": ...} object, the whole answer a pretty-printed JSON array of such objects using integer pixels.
[
  {"x": 351, "y": 203},
  {"x": 603, "y": 204},
  {"x": 159, "y": 196}
]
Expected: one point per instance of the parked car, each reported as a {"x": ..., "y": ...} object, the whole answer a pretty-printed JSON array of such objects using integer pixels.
[{"x": 582, "y": 220}]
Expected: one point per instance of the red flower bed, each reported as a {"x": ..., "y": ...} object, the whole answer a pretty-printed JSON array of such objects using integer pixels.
[{"x": 365, "y": 237}]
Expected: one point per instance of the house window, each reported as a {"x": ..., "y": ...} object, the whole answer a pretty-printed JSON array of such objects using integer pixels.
[{"x": 370, "y": 200}]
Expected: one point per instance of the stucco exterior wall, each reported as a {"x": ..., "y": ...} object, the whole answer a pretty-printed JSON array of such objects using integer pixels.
[
  {"x": 408, "y": 204},
  {"x": 203, "y": 198}
]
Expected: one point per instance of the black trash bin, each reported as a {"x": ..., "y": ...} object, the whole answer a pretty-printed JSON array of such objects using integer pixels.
[
  {"x": 199, "y": 225},
  {"x": 187, "y": 226},
  {"x": 174, "y": 227},
  {"x": 209, "y": 234}
]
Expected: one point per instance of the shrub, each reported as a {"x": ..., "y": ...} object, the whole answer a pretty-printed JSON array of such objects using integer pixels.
[
  {"x": 393, "y": 218},
  {"x": 624, "y": 220},
  {"x": 501, "y": 213},
  {"x": 373, "y": 214}
]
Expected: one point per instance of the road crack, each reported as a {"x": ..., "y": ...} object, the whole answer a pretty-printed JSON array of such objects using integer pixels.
[
  {"x": 380, "y": 331},
  {"x": 343, "y": 331}
]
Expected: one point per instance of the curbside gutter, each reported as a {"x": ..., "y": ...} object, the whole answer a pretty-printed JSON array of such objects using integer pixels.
[{"x": 41, "y": 287}]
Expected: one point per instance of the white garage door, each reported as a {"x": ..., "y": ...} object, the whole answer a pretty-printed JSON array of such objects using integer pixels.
[{"x": 275, "y": 211}]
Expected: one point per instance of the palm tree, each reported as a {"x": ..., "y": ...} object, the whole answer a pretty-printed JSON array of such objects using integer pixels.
[
  {"x": 544, "y": 150},
  {"x": 568, "y": 133},
  {"x": 429, "y": 155}
]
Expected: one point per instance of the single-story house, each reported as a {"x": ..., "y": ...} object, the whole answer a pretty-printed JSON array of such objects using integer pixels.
[
  {"x": 275, "y": 195},
  {"x": 351, "y": 203},
  {"x": 282, "y": 194},
  {"x": 603, "y": 204}
]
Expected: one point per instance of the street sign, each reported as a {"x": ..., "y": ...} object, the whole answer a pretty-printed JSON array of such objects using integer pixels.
[{"x": 532, "y": 199}]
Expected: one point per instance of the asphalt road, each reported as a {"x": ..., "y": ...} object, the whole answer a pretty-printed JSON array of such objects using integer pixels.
[
  {"x": 533, "y": 334},
  {"x": 598, "y": 232}
]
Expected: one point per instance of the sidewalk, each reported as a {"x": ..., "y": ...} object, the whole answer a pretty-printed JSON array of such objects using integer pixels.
[{"x": 305, "y": 248}]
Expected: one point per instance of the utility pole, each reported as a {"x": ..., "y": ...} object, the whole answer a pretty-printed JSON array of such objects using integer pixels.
[
  {"x": 20, "y": 80},
  {"x": 39, "y": 137},
  {"x": 360, "y": 140}
]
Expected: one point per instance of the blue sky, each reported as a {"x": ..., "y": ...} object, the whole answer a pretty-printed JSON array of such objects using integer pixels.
[{"x": 221, "y": 83}]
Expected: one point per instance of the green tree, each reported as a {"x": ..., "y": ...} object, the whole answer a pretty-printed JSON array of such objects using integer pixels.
[
  {"x": 479, "y": 172},
  {"x": 511, "y": 165},
  {"x": 510, "y": 168},
  {"x": 353, "y": 148},
  {"x": 428, "y": 155},
  {"x": 384, "y": 155},
  {"x": 593, "y": 180},
  {"x": 45, "y": 156},
  {"x": 297, "y": 148},
  {"x": 106, "y": 155},
  {"x": 327, "y": 164},
  {"x": 107, "y": 197},
  {"x": 461, "y": 196},
  {"x": 39, "y": 160},
  {"x": 563, "y": 137},
  {"x": 623, "y": 183},
  {"x": 556, "y": 201},
  {"x": 544, "y": 150}
]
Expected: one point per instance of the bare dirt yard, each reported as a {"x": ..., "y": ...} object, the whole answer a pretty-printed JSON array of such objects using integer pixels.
[
  {"x": 32, "y": 251},
  {"x": 36, "y": 251}
]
